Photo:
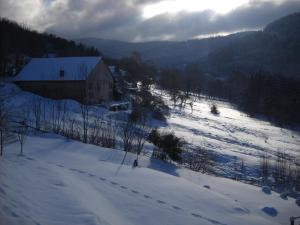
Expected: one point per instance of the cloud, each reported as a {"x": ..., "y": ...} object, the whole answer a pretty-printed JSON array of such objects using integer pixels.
[
  {"x": 254, "y": 15},
  {"x": 19, "y": 10},
  {"x": 123, "y": 20}
]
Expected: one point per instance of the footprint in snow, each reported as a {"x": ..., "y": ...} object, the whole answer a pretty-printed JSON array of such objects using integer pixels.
[
  {"x": 147, "y": 196},
  {"x": 214, "y": 221},
  {"x": 196, "y": 215},
  {"x": 91, "y": 175},
  {"x": 103, "y": 179},
  {"x": 59, "y": 184},
  {"x": 123, "y": 187},
  {"x": 161, "y": 202},
  {"x": 80, "y": 171},
  {"x": 208, "y": 219},
  {"x": 242, "y": 210},
  {"x": 113, "y": 183},
  {"x": 60, "y": 165},
  {"x": 176, "y": 207}
]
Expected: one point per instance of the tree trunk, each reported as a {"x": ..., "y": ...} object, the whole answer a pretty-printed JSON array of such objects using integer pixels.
[
  {"x": 21, "y": 153},
  {"x": 1, "y": 142}
]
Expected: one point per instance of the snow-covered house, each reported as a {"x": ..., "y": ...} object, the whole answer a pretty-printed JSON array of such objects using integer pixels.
[{"x": 85, "y": 79}]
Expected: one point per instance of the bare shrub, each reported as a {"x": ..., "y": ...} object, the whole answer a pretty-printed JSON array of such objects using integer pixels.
[
  {"x": 108, "y": 135},
  {"x": 72, "y": 129},
  {"x": 85, "y": 113},
  {"x": 169, "y": 143},
  {"x": 214, "y": 109},
  {"x": 36, "y": 107}
]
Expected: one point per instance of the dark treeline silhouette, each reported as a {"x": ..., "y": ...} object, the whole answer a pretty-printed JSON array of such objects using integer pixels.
[
  {"x": 18, "y": 43},
  {"x": 276, "y": 97}
]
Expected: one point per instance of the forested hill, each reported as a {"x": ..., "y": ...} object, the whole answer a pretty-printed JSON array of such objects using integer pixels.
[
  {"x": 19, "y": 42},
  {"x": 275, "y": 49}
]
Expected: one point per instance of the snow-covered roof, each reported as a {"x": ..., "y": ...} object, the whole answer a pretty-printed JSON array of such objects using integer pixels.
[{"x": 66, "y": 68}]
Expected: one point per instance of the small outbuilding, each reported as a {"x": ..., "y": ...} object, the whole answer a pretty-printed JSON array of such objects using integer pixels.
[{"x": 85, "y": 79}]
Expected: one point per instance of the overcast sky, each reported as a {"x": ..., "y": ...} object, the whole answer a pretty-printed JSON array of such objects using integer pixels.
[{"x": 145, "y": 20}]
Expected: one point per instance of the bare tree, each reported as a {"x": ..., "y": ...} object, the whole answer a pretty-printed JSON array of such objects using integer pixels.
[
  {"x": 22, "y": 131},
  {"x": 85, "y": 112},
  {"x": 36, "y": 106},
  {"x": 141, "y": 133},
  {"x": 3, "y": 123},
  {"x": 127, "y": 135},
  {"x": 64, "y": 116},
  {"x": 85, "y": 108},
  {"x": 56, "y": 116},
  {"x": 95, "y": 129}
]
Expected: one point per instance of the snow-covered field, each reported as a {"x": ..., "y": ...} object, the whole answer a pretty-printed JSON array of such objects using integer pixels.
[
  {"x": 232, "y": 135},
  {"x": 59, "y": 181}
]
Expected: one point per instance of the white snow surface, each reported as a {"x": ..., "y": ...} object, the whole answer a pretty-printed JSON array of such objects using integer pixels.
[
  {"x": 75, "y": 68},
  {"x": 63, "y": 182},
  {"x": 232, "y": 134}
]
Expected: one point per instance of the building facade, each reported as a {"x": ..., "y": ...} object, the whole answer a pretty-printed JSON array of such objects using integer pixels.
[{"x": 85, "y": 79}]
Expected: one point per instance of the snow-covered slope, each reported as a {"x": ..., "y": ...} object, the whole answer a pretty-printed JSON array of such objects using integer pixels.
[
  {"x": 59, "y": 181},
  {"x": 232, "y": 135}
]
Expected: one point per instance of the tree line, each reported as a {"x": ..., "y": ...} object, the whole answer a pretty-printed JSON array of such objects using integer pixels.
[
  {"x": 18, "y": 42},
  {"x": 260, "y": 94}
]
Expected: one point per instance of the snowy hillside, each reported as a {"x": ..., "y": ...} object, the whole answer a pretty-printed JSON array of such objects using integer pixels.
[
  {"x": 60, "y": 181},
  {"x": 66, "y": 182},
  {"x": 233, "y": 136}
]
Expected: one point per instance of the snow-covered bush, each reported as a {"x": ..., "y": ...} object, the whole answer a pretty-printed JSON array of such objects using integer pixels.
[{"x": 214, "y": 110}]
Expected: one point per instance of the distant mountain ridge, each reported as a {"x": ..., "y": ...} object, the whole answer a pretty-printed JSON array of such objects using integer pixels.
[
  {"x": 162, "y": 53},
  {"x": 275, "y": 49}
]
